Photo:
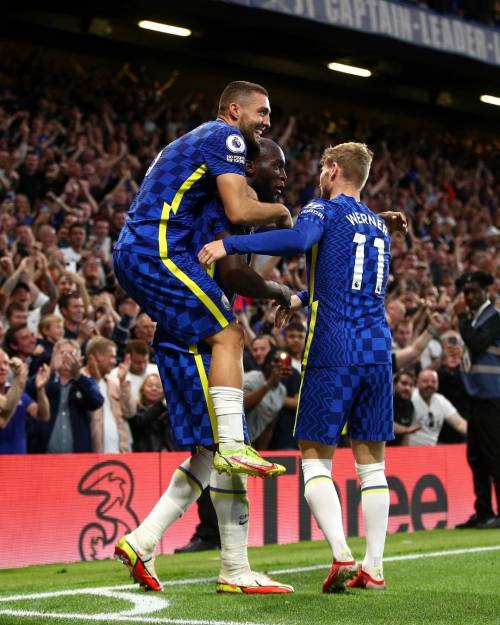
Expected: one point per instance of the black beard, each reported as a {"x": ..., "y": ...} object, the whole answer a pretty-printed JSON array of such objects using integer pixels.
[{"x": 249, "y": 138}]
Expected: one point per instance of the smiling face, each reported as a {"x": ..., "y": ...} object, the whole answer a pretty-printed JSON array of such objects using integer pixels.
[
  {"x": 267, "y": 172},
  {"x": 253, "y": 113}
]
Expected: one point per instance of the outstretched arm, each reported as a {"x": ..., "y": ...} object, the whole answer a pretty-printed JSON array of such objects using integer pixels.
[{"x": 276, "y": 243}]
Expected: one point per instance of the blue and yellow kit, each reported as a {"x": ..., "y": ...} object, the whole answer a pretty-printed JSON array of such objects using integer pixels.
[
  {"x": 153, "y": 257},
  {"x": 347, "y": 374}
]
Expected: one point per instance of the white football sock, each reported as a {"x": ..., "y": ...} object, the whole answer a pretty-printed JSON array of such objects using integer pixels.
[
  {"x": 228, "y": 406},
  {"x": 229, "y": 496},
  {"x": 375, "y": 501},
  {"x": 323, "y": 500},
  {"x": 186, "y": 485}
]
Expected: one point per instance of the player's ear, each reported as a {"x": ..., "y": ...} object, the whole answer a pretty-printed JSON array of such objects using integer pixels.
[
  {"x": 334, "y": 170},
  {"x": 249, "y": 168},
  {"x": 234, "y": 110}
]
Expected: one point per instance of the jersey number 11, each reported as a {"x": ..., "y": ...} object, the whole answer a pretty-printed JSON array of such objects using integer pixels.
[{"x": 359, "y": 262}]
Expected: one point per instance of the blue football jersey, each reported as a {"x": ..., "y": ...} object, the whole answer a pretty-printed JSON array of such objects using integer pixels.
[
  {"x": 347, "y": 275},
  {"x": 177, "y": 186}
]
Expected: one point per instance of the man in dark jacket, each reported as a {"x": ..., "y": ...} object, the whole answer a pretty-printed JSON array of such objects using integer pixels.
[
  {"x": 479, "y": 324},
  {"x": 72, "y": 396}
]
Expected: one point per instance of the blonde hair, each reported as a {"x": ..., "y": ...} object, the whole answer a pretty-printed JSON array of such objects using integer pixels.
[
  {"x": 354, "y": 159},
  {"x": 46, "y": 321},
  {"x": 142, "y": 397},
  {"x": 99, "y": 344}
]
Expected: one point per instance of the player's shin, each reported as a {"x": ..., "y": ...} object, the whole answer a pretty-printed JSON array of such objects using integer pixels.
[
  {"x": 228, "y": 406},
  {"x": 186, "y": 485},
  {"x": 323, "y": 500},
  {"x": 375, "y": 508},
  {"x": 229, "y": 496}
]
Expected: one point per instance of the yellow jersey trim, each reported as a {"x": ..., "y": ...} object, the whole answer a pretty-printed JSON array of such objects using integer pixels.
[
  {"x": 312, "y": 325},
  {"x": 200, "y": 367},
  {"x": 163, "y": 245}
]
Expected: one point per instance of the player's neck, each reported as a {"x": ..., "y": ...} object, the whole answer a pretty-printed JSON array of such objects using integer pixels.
[
  {"x": 345, "y": 189},
  {"x": 227, "y": 120}
]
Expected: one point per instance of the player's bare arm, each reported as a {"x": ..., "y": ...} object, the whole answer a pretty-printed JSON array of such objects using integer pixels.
[
  {"x": 238, "y": 277},
  {"x": 242, "y": 210}
]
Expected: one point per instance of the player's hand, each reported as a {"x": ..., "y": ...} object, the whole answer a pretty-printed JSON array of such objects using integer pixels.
[
  {"x": 395, "y": 221},
  {"x": 282, "y": 295},
  {"x": 211, "y": 253},
  {"x": 411, "y": 429},
  {"x": 284, "y": 314}
]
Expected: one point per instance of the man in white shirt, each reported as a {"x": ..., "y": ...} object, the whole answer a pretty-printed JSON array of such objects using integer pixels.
[
  {"x": 140, "y": 368},
  {"x": 431, "y": 410}
]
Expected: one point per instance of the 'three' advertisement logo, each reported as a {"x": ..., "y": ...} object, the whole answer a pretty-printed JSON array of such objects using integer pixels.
[{"x": 113, "y": 482}]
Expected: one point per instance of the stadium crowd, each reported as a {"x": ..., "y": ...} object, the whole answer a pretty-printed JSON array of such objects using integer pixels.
[{"x": 77, "y": 372}]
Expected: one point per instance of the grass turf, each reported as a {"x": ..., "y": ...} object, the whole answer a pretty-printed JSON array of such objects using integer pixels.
[{"x": 449, "y": 589}]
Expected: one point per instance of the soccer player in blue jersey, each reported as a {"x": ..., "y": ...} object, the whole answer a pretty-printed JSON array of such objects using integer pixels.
[
  {"x": 192, "y": 417},
  {"x": 347, "y": 374},
  {"x": 154, "y": 264}
]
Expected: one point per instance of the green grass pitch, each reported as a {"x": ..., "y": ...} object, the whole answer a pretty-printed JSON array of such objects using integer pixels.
[{"x": 423, "y": 588}]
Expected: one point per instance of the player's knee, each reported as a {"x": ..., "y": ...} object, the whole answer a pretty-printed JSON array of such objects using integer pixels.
[
  {"x": 232, "y": 337},
  {"x": 371, "y": 475}
]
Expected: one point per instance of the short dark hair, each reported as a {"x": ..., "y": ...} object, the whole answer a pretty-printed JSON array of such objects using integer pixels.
[
  {"x": 66, "y": 298},
  {"x": 137, "y": 346},
  {"x": 77, "y": 224},
  {"x": 14, "y": 307},
  {"x": 10, "y": 337},
  {"x": 238, "y": 90},
  {"x": 403, "y": 372},
  {"x": 295, "y": 326}
]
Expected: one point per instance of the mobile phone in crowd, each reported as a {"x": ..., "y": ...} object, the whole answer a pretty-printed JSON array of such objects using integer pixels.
[{"x": 284, "y": 359}]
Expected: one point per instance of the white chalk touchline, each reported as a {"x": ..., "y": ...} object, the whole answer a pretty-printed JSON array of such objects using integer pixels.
[{"x": 145, "y": 604}]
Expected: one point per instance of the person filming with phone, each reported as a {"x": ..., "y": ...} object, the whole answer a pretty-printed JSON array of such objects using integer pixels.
[{"x": 265, "y": 395}]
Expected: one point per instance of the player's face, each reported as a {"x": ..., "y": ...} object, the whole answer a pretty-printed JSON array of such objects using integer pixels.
[
  {"x": 269, "y": 175},
  {"x": 254, "y": 118}
]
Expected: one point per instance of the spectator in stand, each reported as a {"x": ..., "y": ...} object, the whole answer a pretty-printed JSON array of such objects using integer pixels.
[
  {"x": 404, "y": 385},
  {"x": 15, "y": 314},
  {"x": 260, "y": 347},
  {"x": 479, "y": 324},
  {"x": 265, "y": 395},
  {"x": 144, "y": 330},
  {"x": 140, "y": 368},
  {"x": 451, "y": 384},
  {"x": 109, "y": 427},
  {"x": 150, "y": 424},
  {"x": 431, "y": 409},
  {"x": 71, "y": 397},
  {"x": 20, "y": 342},
  {"x": 51, "y": 330},
  {"x": 402, "y": 334},
  {"x": 75, "y": 251},
  {"x": 295, "y": 341},
  {"x": 76, "y": 326},
  {"x": 16, "y": 406},
  {"x": 100, "y": 241}
]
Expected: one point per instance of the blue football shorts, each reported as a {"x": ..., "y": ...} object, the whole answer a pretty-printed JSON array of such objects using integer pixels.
[
  {"x": 176, "y": 293},
  {"x": 360, "y": 396}
]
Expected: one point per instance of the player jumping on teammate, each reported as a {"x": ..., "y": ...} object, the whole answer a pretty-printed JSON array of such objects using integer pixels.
[
  {"x": 153, "y": 262},
  {"x": 347, "y": 374}
]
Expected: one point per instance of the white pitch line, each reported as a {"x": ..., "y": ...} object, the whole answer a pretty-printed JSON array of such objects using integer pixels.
[
  {"x": 124, "y": 618},
  {"x": 406, "y": 556},
  {"x": 135, "y": 618}
]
